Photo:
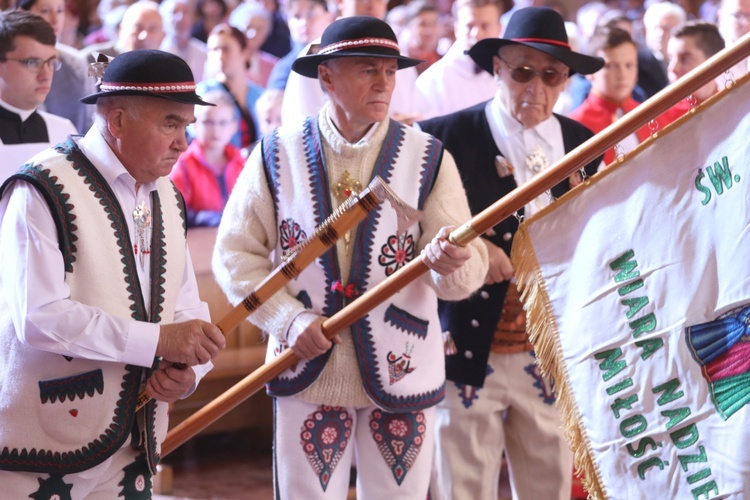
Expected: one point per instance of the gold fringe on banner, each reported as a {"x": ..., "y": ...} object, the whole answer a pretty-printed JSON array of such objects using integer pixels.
[{"x": 542, "y": 328}]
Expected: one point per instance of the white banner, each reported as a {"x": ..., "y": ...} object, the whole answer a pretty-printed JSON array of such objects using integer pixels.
[{"x": 638, "y": 295}]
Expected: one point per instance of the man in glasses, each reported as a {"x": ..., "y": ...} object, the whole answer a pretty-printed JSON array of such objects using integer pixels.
[
  {"x": 28, "y": 60},
  {"x": 498, "y": 401}
]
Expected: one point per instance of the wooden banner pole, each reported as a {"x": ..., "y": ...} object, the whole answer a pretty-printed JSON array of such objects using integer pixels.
[{"x": 479, "y": 224}]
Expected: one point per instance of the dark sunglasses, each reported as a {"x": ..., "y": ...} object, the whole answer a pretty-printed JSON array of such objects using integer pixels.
[{"x": 524, "y": 74}]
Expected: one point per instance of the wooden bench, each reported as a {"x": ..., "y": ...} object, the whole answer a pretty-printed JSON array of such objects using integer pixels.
[{"x": 244, "y": 353}]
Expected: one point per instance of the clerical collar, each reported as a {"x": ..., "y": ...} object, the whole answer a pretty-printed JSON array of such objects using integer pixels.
[{"x": 23, "y": 113}]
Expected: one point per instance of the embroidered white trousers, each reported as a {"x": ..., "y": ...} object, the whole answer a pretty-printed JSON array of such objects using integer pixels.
[
  {"x": 316, "y": 446},
  {"x": 514, "y": 412}
]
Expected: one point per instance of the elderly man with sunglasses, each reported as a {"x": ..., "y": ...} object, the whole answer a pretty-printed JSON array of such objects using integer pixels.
[
  {"x": 28, "y": 60},
  {"x": 496, "y": 401}
]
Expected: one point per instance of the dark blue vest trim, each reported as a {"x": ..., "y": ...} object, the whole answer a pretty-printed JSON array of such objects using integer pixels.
[
  {"x": 406, "y": 322},
  {"x": 329, "y": 260},
  {"x": 430, "y": 167},
  {"x": 361, "y": 259}
]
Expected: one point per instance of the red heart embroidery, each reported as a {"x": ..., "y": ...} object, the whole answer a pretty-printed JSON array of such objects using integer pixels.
[{"x": 74, "y": 412}]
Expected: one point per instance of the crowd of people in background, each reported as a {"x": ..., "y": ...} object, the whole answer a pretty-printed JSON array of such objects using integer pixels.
[
  {"x": 245, "y": 50},
  {"x": 335, "y": 92}
]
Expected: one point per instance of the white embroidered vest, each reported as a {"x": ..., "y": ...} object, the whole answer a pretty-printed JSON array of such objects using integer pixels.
[
  {"x": 399, "y": 343},
  {"x": 70, "y": 414}
]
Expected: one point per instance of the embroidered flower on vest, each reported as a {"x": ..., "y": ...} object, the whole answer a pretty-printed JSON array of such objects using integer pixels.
[
  {"x": 290, "y": 234},
  {"x": 397, "y": 251}
]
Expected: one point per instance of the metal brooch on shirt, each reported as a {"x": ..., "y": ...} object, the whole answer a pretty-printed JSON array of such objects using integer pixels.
[
  {"x": 537, "y": 160},
  {"x": 342, "y": 190},
  {"x": 142, "y": 220}
]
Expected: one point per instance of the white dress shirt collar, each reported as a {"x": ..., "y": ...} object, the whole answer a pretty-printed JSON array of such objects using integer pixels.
[
  {"x": 96, "y": 149},
  {"x": 516, "y": 143}
]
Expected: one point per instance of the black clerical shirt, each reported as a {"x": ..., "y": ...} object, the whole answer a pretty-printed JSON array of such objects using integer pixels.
[{"x": 15, "y": 131}]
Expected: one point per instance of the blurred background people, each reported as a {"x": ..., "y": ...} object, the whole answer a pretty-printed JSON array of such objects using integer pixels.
[
  {"x": 28, "y": 61},
  {"x": 307, "y": 20},
  {"x": 71, "y": 81},
  {"x": 178, "y": 17},
  {"x": 734, "y": 22},
  {"x": 141, "y": 28},
  {"x": 278, "y": 42},
  {"x": 612, "y": 87},
  {"x": 209, "y": 13},
  {"x": 421, "y": 34},
  {"x": 255, "y": 22},
  {"x": 227, "y": 60},
  {"x": 455, "y": 81},
  {"x": 659, "y": 20},
  {"x": 207, "y": 171},
  {"x": 690, "y": 46}
]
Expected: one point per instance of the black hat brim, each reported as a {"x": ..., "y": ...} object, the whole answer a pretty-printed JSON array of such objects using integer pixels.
[
  {"x": 484, "y": 50},
  {"x": 308, "y": 65},
  {"x": 181, "y": 97}
]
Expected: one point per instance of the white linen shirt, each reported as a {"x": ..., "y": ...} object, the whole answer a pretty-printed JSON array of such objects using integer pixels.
[
  {"x": 516, "y": 142},
  {"x": 32, "y": 276},
  {"x": 452, "y": 83}
]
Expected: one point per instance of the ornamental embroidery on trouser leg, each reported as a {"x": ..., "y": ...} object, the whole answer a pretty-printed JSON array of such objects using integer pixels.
[
  {"x": 399, "y": 437},
  {"x": 136, "y": 482},
  {"x": 325, "y": 434},
  {"x": 547, "y": 392},
  {"x": 469, "y": 393},
  {"x": 52, "y": 487}
]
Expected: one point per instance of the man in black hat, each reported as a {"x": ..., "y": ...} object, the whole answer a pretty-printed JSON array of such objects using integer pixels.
[
  {"x": 98, "y": 298},
  {"x": 369, "y": 399},
  {"x": 498, "y": 401}
]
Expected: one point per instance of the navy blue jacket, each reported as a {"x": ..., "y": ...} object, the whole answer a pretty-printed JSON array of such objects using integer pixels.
[{"x": 466, "y": 134}]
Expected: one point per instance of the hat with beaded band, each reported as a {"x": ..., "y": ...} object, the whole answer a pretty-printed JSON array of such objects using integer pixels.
[
  {"x": 148, "y": 73},
  {"x": 356, "y": 36}
]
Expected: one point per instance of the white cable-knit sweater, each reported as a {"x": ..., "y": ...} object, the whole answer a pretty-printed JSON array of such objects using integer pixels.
[{"x": 248, "y": 234}]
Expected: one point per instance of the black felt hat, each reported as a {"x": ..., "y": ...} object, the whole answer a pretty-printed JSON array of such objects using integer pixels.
[
  {"x": 542, "y": 29},
  {"x": 150, "y": 73},
  {"x": 356, "y": 36}
]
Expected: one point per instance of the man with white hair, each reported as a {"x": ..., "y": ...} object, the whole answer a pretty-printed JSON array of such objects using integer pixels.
[
  {"x": 252, "y": 19},
  {"x": 141, "y": 28},
  {"x": 496, "y": 399},
  {"x": 734, "y": 22},
  {"x": 179, "y": 17},
  {"x": 101, "y": 301},
  {"x": 658, "y": 21}
]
